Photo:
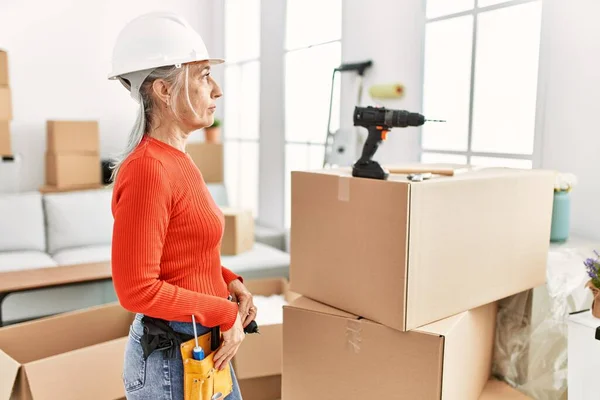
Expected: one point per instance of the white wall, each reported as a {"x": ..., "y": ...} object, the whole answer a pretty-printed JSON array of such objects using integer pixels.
[
  {"x": 391, "y": 33},
  {"x": 59, "y": 57},
  {"x": 570, "y": 103}
]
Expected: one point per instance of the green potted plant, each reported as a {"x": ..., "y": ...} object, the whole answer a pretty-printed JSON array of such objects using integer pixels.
[
  {"x": 212, "y": 134},
  {"x": 561, "y": 208}
]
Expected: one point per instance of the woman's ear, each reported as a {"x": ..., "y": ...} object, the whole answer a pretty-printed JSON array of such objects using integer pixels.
[{"x": 162, "y": 91}]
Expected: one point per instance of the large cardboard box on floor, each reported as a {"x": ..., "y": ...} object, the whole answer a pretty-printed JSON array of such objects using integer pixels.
[
  {"x": 6, "y": 112},
  {"x": 5, "y": 142},
  {"x": 81, "y": 137},
  {"x": 239, "y": 231},
  {"x": 406, "y": 254},
  {"x": 71, "y": 170},
  {"x": 258, "y": 362},
  {"x": 330, "y": 354},
  {"x": 72, "y": 356},
  {"x": 208, "y": 157}
]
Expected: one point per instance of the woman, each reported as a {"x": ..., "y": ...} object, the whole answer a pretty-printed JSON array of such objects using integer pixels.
[{"x": 167, "y": 229}]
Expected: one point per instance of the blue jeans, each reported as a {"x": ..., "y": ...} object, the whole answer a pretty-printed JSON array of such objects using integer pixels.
[{"x": 158, "y": 377}]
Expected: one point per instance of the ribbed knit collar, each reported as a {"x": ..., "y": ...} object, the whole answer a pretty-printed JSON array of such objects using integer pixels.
[{"x": 165, "y": 146}]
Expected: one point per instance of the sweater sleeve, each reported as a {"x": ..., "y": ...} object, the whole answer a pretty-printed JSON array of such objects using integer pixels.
[
  {"x": 141, "y": 210},
  {"x": 230, "y": 276}
]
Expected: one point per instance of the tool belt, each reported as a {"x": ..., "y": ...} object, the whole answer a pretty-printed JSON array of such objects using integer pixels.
[{"x": 201, "y": 381}]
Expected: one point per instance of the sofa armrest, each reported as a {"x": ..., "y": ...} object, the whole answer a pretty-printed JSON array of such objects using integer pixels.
[{"x": 272, "y": 237}]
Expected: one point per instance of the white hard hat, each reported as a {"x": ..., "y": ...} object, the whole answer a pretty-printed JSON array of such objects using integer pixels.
[{"x": 155, "y": 40}]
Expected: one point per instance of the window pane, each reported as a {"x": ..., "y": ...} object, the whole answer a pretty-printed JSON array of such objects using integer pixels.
[
  {"x": 249, "y": 98},
  {"x": 296, "y": 158},
  {"x": 485, "y": 3},
  {"x": 446, "y": 92},
  {"x": 434, "y": 158},
  {"x": 248, "y": 182},
  {"x": 307, "y": 90},
  {"x": 242, "y": 108},
  {"x": 232, "y": 171},
  {"x": 315, "y": 156},
  {"x": 232, "y": 114},
  {"x": 310, "y": 22},
  {"x": 438, "y": 8},
  {"x": 242, "y": 29},
  {"x": 500, "y": 162},
  {"x": 504, "y": 105}
]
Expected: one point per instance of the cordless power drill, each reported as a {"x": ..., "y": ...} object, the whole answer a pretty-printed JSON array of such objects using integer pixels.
[{"x": 378, "y": 121}]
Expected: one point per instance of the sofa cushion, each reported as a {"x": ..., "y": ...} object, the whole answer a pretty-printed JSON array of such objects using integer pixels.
[
  {"x": 76, "y": 219},
  {"x": 20, "y": 260},
  {"x": 83, "y": 255},
  {"x": 269, "y": 236},
  {"x": 22, "y": 222},
  {"x": 261, "y": 262}
]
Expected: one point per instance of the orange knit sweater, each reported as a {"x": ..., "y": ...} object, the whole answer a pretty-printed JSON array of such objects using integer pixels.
[{"x": 166, "y": 242}]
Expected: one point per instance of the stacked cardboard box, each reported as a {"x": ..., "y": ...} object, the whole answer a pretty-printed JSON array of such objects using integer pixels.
[
  {"x": 72, "y": 156},
  {"x": 401, "y": 279},
  {"x": 258, "y": 362},
  {"x": 5, "y": 106},
  {"x": 238, "y": 236},
  {"x": 208, "y": 157}
]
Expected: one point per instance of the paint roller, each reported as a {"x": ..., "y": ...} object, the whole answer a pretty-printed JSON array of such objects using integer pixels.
[{"x": 387, "y": 91}]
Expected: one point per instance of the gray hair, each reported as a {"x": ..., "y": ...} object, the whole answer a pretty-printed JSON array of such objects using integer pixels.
[{"x": 178, "y": 77}]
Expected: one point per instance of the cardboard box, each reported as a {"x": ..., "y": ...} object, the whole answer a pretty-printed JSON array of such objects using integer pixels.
[
  {"x": 4, "y": 81},
  {"x": 261, "y": 355},
  {"x": 584, "y": 356},
  {"x": 266, "y": 388},
  {"x": 239, "y": 231},
  {"x": 258, "y": 362},
  {"x": 67, "y": 170},
  {"x": 497, "y": 390},
  {"x": 6, "y": 112},
  {"x": 208, "y": 157},
  {"x": 70, "y": 356},
  {"x": 332, "y": 354},
  {"x": 406, "y": 254},
  {"x": 5, "y": 142},
  {"x": 73, "y": 137}
]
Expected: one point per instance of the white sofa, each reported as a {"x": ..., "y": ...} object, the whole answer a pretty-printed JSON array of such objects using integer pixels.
[{"x": 50, "y": 230}]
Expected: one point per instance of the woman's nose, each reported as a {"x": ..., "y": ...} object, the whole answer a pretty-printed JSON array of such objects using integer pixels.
[{"x": 216, "y": 92}]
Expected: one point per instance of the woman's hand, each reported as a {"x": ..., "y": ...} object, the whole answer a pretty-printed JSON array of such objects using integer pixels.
[
  {"x": 230, "y": 345},
  {"x": 243, "y": 297}
]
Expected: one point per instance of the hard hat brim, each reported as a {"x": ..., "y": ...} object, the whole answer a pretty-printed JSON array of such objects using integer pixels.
[{"x": 115, "y": 74}]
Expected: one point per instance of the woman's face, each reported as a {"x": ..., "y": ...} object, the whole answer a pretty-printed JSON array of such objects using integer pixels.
[{"x": 203, "y": 91}]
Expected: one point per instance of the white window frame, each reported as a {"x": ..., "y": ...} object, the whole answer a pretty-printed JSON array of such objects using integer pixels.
[
  {"x": 535, "y": 157},
  {"x": 227, "y": 138}
]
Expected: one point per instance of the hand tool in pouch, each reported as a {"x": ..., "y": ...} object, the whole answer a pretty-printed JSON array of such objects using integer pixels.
[{"x": 197, "y": 352}]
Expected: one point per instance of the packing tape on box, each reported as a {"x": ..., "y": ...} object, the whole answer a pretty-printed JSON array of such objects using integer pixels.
[
  {"x": 344, "y": 188},
  {"x": 353, "y": 335}
]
